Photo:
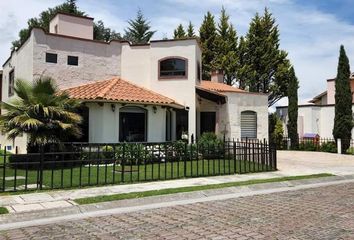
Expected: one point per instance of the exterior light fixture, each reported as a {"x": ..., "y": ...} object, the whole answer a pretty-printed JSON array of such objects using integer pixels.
[
  {"x": 155, "y": 109},
  {"x": 113, "y": 107}
]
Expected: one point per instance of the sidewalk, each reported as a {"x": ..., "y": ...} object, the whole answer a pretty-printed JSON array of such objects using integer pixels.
[
  {"x": 115, "y": 208},
  {"x": 290, "y": 163}
]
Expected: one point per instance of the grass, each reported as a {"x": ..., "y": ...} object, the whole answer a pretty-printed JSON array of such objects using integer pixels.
[
  {"x": 132, "y": 195},
  {"x": 3, "y": 210},
  {"x": 94, "y": 175}
]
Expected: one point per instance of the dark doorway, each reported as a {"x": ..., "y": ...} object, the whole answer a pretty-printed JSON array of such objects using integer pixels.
[
  {"x": 132, "y": 125},
  {"x": 207, "y": 122},
  {"x": 181, "y": 123}
]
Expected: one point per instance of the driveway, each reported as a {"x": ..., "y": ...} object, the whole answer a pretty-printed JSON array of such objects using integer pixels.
[{"x": 301, "y": 163}]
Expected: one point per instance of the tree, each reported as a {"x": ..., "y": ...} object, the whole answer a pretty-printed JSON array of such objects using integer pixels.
[
  {"x": 139, "y": 29},
  {"x": 207, "y": 33},
  {"x": 276, "y": 130},
  {"x": 242, "y": 67},
  {"x": 225, "y": 49},
  {"x": 293, "y": 109},
  {"x": 190, "y": 30},
  {"x": 179, "y": 32},
  {"x": 343, "y": 118},
  {"x": 100, "y": 32},
  {"x": 42, "y": 112},
  {"x": 266, "y": 67}
]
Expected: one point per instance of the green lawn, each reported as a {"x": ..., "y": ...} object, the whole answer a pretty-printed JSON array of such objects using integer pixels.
[
  {"x": 3, "y": 210},
  {"x": 94, "y": 175},
  {"x": 191, "y": 189}
]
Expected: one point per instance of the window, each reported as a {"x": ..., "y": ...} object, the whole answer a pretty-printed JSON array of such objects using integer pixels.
[
  {"x": 132, "y": 124},
  {"x": 73, "y": 60},
  {"x": 11, "y": 82},
  {"x": 173, "y": 68},
  {"x": 248, "y": 124},
  {"x": 51, "y": 58}
]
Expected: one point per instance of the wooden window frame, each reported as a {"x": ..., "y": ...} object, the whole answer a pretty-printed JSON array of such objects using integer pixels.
[{"x": 173, "y": 77}]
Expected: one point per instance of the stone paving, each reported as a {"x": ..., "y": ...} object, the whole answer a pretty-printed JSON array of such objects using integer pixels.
[{"x": 316, "y": 213}]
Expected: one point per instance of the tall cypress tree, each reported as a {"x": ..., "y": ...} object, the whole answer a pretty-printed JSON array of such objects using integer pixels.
[
  {"x": 343, "y": 119},
  {"x": 225, "y": 49},
  {"x": 139, "y": 29},
  {"x": 207, "y": 33},
  {"x": 266, "y": 67},
  {"x": 293, "y": 109},
  {"x": 190, "y": 30},
  {"x": 179, "y": 32}
]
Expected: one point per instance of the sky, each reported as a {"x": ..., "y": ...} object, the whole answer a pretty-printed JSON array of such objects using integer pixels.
[{"x": 311, "y": 31}]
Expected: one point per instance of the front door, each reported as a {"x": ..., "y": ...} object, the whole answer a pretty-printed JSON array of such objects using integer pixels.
[
  {"x": 207, "y": 122},
  {"x": 181, "y": 123}
]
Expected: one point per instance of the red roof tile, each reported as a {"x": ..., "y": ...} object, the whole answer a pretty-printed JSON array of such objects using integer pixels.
[
  {"x": 219, "y": 87},
  {"x": 117, "y": 89}
]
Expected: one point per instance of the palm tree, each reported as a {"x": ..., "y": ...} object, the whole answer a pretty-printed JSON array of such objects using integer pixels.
[{"x": 43, "y": 112}]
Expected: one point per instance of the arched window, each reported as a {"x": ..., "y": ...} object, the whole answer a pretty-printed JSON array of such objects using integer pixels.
[
  {"x": 132, "y": 124},
  {"x": 173, "y": 67},
  {"x": 248, "y": 124}
]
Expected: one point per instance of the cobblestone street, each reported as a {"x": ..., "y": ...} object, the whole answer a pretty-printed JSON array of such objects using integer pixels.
[{"x": 317, "y": 213}]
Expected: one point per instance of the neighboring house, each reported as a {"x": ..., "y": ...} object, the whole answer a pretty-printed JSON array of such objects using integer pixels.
[
  {"x": 317, "y": 117},
  {"x": 146, "y": 92}
]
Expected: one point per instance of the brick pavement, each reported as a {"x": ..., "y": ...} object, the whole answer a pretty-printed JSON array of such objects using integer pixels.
[{"x": 316, "y": 213}]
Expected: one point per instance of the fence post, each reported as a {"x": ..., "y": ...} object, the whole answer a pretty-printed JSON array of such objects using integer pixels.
[
  {"x": 185, "y": 158},
  {"x": 41, "y": 167},
  {"x": 339, "y": 146},
  {"x": 4, "y": 171}
]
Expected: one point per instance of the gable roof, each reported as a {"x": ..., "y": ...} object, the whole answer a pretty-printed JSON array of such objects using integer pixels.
[{"x": 119, "y": 90}]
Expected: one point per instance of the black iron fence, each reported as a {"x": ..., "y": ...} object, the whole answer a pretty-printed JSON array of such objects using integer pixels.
[
  {"x": 82, "y": 164},
  {"x": 315, "y": 144}
]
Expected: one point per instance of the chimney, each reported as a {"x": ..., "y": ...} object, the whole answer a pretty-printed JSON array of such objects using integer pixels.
[{"x": 217, "y": 76}]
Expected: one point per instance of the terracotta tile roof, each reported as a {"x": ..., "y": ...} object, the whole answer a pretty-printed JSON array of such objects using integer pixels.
[
  {"x": 219, "y": 87},
  {"x": 117, "y": 89}
]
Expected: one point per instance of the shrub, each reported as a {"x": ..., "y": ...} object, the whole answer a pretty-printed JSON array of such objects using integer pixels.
[
  {"x": 350, "y": 150},
  {"x": 308, "y": 146},
  {"x": 330, "y": 147},
  {"x": 210, "y": 146}
]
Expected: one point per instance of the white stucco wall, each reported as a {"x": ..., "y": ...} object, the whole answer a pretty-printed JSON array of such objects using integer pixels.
[
  {"x": 97, "y": 60},
  {"x": 72, "y": 26},
  {"x": 104, "y": 123},
  {"x": 21, "y": 62},
  {"x": 315, "y": 119},
  {"x": 140, "y": 66},
  {"x": 230, "y": 116}
]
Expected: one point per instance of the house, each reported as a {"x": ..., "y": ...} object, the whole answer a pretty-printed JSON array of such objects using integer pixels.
[
  {"x": 316, "y": 117},
  {"x": 134, "y": 92}
]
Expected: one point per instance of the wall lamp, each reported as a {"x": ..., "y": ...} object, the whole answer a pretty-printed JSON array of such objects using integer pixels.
[
  {"x": 155, "y": 109},
  {"x": 113, "y": 107}
]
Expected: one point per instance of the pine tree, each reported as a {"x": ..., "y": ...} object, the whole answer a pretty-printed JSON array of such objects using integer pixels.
[
  {"x": 225, "y": 49},
  {"x": 207, "y": 33},
  {"x": 179, "y": 32},
  {"x": 343, "y": 119},
  {"x": 190, "y": 30},
  {"x": 242, "y": 67},
  {"x": 293, "y": 109},
  {"x": 139, "y": 29},
  {"x": 266, "y": 67}
]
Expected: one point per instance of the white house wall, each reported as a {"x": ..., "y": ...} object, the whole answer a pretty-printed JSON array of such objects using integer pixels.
[
  {"x": 97, "y": 61},
  {"x": 315, "y": 119},
  {"x": 104, "y": 123},
  {"x": 239, "y": 102}
]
